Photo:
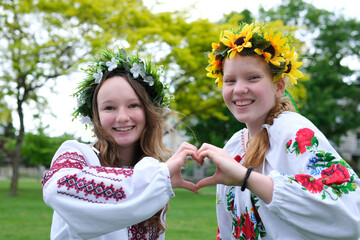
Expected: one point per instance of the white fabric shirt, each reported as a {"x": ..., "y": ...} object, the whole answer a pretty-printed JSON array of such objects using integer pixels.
[
  {"x": 316, "y": 193},
  {"x": 103, "y": 203}
]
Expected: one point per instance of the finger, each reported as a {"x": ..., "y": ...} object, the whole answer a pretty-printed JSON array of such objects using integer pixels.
[
  {"x": 190, "y": 186},
  {"x": 206, "y": 182},
  {"x": 205, "y": 153}
]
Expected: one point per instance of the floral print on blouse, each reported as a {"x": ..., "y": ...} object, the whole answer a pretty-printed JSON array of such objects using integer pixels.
[
  {"x": 312, "y": 184},
  {"x": 330, "y": 177}
]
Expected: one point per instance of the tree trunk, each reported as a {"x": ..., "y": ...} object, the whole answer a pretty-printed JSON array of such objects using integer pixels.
[{"x": 16, "y": 160}]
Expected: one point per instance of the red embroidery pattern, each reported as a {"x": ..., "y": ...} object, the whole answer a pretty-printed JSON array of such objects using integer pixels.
[
  {"x": 303, "y": 138},
  {"x": 81, "y": 198},
  {"x": 310, "y": 183},
  {"x": 118, "y": 171},
  {"x": 141, "y": 232},
  {"x": 92, "y": 188},
  {"x": 218, "y": 234},
  {"x": 66, "y": 160}
]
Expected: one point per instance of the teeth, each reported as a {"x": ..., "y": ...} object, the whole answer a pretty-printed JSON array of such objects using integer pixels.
[
  {"x": 123, "y": 129},
  {"x": 243, "y": 103}
]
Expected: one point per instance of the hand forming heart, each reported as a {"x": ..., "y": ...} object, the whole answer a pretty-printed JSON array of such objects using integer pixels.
[{"x": 228, "y": 171}]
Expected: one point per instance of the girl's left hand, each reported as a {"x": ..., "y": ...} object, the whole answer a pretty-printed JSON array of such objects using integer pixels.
[{"x": 177, "y": 161}]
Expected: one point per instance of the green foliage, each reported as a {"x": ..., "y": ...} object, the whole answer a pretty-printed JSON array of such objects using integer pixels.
[
  {"x": 333, "y": 92},
  {"x": 39, "y": 149}
]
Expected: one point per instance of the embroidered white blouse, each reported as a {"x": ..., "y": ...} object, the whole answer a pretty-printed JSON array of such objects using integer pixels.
[
  {"x": 316, "y": 193},
  {"x": 103, "y": 203}
]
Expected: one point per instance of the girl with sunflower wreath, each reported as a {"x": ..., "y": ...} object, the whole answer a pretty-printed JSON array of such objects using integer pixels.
[
  {"x": 119, "y": 187},
  {"x": 278, "y": 178}
]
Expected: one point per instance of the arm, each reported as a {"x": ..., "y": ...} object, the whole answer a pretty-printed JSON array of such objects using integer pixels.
[
  {"x": 96, "y": 200},
  {"x": 317, "y": 186}
]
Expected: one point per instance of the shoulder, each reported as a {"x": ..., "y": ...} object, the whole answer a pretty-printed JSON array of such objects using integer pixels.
[
  {"x": 74, "y": 145},
  {"x": 292, "y": 130},
  {"x": 289, "y": 123},
  {"x": 291, "y": 119},
  {"x": 76, "y": 149}
]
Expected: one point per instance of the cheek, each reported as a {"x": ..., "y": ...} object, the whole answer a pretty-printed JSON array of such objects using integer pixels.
[
  {"x": 139, "y": 116},
  {"x": 226, "y": 94},
  {"x": 269, "y": 97},
  {"x": 105, "y": 120}
]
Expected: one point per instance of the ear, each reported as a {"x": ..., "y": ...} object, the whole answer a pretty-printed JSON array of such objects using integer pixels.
[{"x": 280, "y": 88}]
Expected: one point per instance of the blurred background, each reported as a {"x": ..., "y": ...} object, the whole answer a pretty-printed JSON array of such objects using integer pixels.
[{"x": 45, "y": 44}]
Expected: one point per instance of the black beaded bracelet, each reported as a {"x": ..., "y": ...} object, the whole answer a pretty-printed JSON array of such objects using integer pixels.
[{"x": 243, "y": 186}]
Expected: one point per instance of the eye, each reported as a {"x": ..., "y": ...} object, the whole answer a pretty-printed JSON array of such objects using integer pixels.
[
  {"x": 108, "y": 108},
  {"x": 254, "y": 77},
  {"x": 229, "y": 80},
  {"x": 134, "y": 105}
]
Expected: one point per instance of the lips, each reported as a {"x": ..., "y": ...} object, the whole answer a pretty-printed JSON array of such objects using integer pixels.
[
  {"x": 242, "y": 103},
  {"x": 123, "y": 129}
]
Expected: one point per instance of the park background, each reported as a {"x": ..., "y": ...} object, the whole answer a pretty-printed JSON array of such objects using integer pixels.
[{"x": 44, "y": 45}]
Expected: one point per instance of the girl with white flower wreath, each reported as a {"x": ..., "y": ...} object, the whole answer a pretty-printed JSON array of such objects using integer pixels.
[
  {"x": 278, "y": 178},
  {"x": 119, "y": 187}
]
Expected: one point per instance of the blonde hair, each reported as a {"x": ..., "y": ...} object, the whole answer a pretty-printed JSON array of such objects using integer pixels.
[
  {"x": 259, "y": 144},
  {"x": 150, "y": 143}
]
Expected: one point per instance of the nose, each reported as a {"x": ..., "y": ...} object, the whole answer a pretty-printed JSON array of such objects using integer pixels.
[
  {"x": 122, "y": 115},
  {"x": 240, "y": 87}
]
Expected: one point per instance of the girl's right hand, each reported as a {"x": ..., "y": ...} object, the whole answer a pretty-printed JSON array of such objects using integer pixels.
[{"x": 228, "y": 171}]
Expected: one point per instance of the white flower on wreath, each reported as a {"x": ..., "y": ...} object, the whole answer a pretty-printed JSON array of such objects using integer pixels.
[
  {"x": 98, "y": 76},
  {"x": 136, "y": 70},
  {"x": 149, "y": 80},
  {"x": 85, "y": 120},
  {"x": 111, "y": 64}
]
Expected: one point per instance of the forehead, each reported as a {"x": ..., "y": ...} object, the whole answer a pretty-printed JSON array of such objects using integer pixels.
[
  {"x": 245, "y": 64},
  {"x": 116, "y": 88}
]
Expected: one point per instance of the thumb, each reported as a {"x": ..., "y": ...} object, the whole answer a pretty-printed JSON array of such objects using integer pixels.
[{"x": 206, "y": 182}]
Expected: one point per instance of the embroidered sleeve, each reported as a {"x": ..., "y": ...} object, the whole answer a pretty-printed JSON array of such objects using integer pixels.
[
  {"x": 324, "y": 192},
  {"x": 95, "y": 200}
]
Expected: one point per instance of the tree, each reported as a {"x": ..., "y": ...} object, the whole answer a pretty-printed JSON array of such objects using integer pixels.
[
  {"x": 33, "y": 57},
  {"x": 333, "y": 93},
  {"x": 44, "y": 40},
  {"x": 39, "y": 148}
]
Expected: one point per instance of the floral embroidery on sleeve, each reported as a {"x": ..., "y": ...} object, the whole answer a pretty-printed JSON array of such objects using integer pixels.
[
  {"x": 304, "y": 139},
  {"x": 334, "y": 178},
  {"x": 218, "y": 234}
]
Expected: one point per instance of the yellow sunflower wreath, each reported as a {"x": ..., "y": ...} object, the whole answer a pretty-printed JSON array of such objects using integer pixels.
[{"x": 252, "y": 39}]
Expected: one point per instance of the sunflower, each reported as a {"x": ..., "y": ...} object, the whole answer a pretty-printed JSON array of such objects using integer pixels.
[
  {"x": 291, "y": 67},
  {"x": 237, "y": 42},
  {"x": 275, "y": 49}
]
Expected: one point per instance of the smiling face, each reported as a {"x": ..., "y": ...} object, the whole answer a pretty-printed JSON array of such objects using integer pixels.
[
  {"x": 249, "y": 91},
  {"x": 121, "y": 112}
]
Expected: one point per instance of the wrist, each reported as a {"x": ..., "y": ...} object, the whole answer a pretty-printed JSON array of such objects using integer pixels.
[{"x": 246, "y": 177}]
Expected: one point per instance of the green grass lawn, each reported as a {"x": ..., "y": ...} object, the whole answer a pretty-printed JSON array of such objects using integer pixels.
[{"x": 26, "y": 217}]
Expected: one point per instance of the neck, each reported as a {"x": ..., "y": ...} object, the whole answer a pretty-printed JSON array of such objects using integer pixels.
[{"x": 128, "y": 155}]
